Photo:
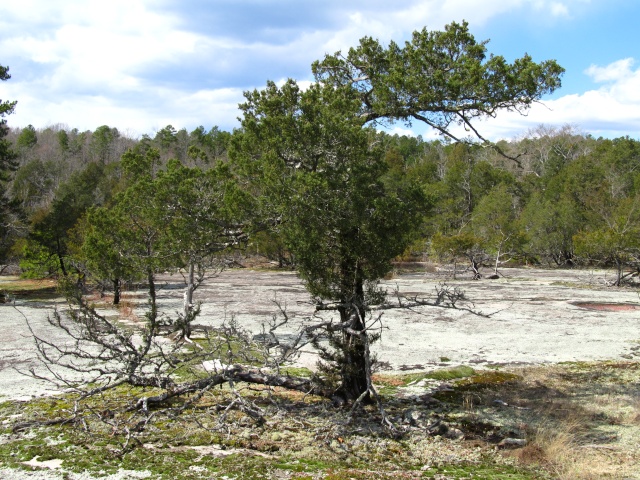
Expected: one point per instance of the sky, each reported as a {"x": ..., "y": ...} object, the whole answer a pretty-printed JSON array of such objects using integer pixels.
[{"x": 140, "y": 65}]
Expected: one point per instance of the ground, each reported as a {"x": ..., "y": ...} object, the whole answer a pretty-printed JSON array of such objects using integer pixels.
[{"x": 548, "y": 388}]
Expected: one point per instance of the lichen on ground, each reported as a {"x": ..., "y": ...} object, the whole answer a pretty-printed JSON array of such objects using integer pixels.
[{"x": 574, "y": 420}]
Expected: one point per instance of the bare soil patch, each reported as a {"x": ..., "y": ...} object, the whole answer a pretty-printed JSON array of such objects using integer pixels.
[{"x": 608, "y": 307}]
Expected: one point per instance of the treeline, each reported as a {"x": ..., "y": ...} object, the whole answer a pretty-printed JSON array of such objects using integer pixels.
[
  {"x": 58, "y": 174},
  {"x": 562, "y": 197}
]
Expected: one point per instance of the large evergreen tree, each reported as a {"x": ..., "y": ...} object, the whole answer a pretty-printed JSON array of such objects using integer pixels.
[
  {"x": 7, "y": 166},
  {"x": 320, "y": 175}
]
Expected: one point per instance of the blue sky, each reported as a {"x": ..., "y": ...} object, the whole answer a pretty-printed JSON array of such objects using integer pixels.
[{"x": 140, "y": 65}]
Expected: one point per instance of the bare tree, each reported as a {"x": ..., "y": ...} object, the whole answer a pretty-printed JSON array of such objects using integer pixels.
[{"x": 101, "y": 354}]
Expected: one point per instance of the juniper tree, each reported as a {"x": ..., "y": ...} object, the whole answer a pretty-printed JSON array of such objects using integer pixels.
[{"x": 313, "y": 161}]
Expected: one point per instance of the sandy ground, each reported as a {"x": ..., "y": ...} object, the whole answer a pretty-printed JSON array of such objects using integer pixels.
[{"x": 533, "y": 319}]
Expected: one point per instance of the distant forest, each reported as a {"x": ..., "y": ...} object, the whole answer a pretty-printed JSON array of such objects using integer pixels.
[{"x": 567, "y": 199}]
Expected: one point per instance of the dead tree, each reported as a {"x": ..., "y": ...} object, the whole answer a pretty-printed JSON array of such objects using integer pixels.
[{"x": 101, "y": 355}]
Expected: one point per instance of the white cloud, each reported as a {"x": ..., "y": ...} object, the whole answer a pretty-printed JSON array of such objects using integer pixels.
[
  {"x": 96, "y": 47},
  {"x": 559, "y": 10},
  {"x": 566, "y": 8},
  {"x": 614, "y": 71},
  {"x": 611, "y": 111},
  {"x": 398, "y": 22},
  {"x": 127, "y": 64},
  {"x": 160, "y": 107},
  {"x": 398, "y": 130}
]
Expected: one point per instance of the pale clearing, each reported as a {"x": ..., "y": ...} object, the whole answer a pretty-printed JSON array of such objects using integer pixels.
[{"x": 535, "y": 318}]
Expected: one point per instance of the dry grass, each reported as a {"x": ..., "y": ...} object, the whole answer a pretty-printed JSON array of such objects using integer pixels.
[
  {"x": 28, "y": 288},
  {"x": 581, "y": 422},
  {"x": 126, "y": 309}
]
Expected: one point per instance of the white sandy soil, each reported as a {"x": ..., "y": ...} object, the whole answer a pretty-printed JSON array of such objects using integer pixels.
[{"x": 533, "y": 319}]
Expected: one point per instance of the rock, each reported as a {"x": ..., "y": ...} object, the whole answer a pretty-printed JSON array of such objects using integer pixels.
[
  {"x": 214, "y": 365},
  {"x": 428, "y": 400},
  {"x": 357, "y": 442},
  {"x": 512, "y": 443},
  {"x": 437, "y": 428},
  {"x": 454, "y": 434},
  {"x": 412, "y": 417}
]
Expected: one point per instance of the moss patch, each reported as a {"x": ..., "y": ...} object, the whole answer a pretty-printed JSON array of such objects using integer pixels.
[{"x": 311, "y": 439}]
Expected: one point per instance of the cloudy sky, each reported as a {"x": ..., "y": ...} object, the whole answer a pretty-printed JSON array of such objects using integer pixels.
[{"x": 140, "y": 65}]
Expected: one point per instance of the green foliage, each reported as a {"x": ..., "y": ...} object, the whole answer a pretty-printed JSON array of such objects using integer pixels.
[
  {"x": 320, "y": 174},
  {"x": 37, "y": 261},
  {"x": 51, "y": 226},
  {"x": 441, "y": 78},
  {"x": 63, "y": 140},
  {"x": 550, "y": 226},
  {"x": 167, "y": 219},
  {"x": 270, "y": 244},
  {"x": 616, "y": 241},
  {"x": 451, "y": 247},
  {"x": 495, "y": 223},
  {"x": 7, "y": 166},
  {"x": 27, "y": 138},
  {"x": 34, "y": 183},
  {"x": 102, "y": 142},
  {"x": 166, "y": 137}
]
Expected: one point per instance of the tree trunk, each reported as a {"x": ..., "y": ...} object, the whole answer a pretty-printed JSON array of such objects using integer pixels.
[
  {"x": 353, "y": 365},
  {"x": 475, "y": 266},
  {"x": 187, "y": 304},
  {"x": 153, "y": 312},
  {"x": 116, "y": 291},
  {"x": 353, "y": 369},
  {"x": 150, "y": 333},
  {"x": 61, "y": 263},
  {"x": 60, "y": 257},
  {"x": 618, "y": 273}
]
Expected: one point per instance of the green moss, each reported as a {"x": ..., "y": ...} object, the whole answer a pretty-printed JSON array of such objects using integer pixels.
[
  {"x": 449, "y": 373},
  {"x": 475, "y": 383},
  {"x": 487, "y": 378},
  {"x": 297, "y": 371},
  {"x": 483, "y": 472},
  {"x": 300, "y": 451},
  {"x": 80, "y": 452},
  {"x": 49, "y": 408},
  {"x": 387, "y": 391},
  {"x": 303, "y": 465},
  {"x": 461, "y": 371},
  {"x": 389, "y": 385}
]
